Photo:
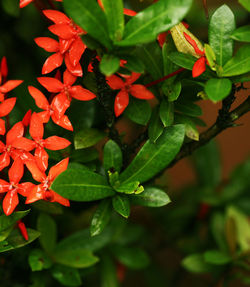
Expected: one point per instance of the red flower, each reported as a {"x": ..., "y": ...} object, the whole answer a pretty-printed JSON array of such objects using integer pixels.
[
  {"x": 42, "y": 103},
  {"x": 65, "y": 92},
  {"x": 8, "y": 151},
  {"x": 24, "y": 3},
  {"x": 21, "y": 226},
  {"x": 38, "y": 143},
  {"x": 43, "y": 191},
  {"x": 14, "y": 187},
  {"x": 200, "y": 65},
  {"x": 122, "y": 98}
]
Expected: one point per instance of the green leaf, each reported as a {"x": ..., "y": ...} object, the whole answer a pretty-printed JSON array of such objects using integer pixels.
[
  {"x": 134, "y": 64},
  {"x": 87, "y": 138},
  {"x": 67, "y": 276},
  {"x": 47, "y": 227},
  {"x": 8, "y": 221},
  {"x": 134, "y": 258},
  {"x": 108, "y": 272},
  {"x": 75, "y": 257},
  {"x": 157, "y": 18},
  {"x": 217, "y": 257},
  {"x": 101, "y": 217},
  {"x": 172, "y": 91},
  {"x": 109, "y": 64},
  {"x": 245, "y": 4},
  {"x": 167, "y": 113},
  {"x": 168, "y": 65},
  {"x": 15, "y": 240},
  {"x": 221, "y": 25},
  {"x": 218, "y": 89},
  {"x": 151, "y": 196},
  {"x": 155, "y": 128},
  {"x": 242, "y": 34},
  {"x": 183, "y": 60},
  {"x": 89, "y": 15},
  {"x": 195, "y": 263},
  {"x": 38, "y": 260},
  {"x": 239, "y": 64},
  {"x": 48, "y": 207},
  {"x": 188, "y": 108},
  {"x": 138, "y": 111},
  {"x": 153, "y": 157},
  {"x": 211, "y": 57},
  {"x": 82, "y": 185},
  {"x": 114, "y": 14},
  {"x": 121, "y": 205},
  {"x": 130, "y": 187},
  {"x": 191, "y": 130},
  {"x": 112, "y": 156},
  {"x": 151, "y": 56}
]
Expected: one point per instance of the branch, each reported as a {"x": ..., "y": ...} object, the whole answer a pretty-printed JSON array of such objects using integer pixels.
[{"x": 224, "y": 120}]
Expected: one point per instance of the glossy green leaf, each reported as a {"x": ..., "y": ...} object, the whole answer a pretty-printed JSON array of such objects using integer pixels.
[
  {"x": 196, "y": 263},
  {"x": 241, "y": 34},
  {"x": 114, "y": 12},
  {"x": 89, "y": 15},
  {"x": 134, "y": 64},
  {"x": 191, "y": 130},
  {"x": 108, "y": 272},
  {"x": 245, "y": 4},
  {"x": 218, "y": 89},
  {"x": 109, "y": 64},
  {"x": 47, "y": 227},
  {"x": 155, "y": 128},
  {"x": 151, "y": 56},
  {"x": 112, "y": 156},
  {"x": 157, "y": 18},
  {"x": 188, "y": 108},
  {"x": 221, "y": 26},
  {"x": 121, "y": 205},
  {"x": 130, "y": 187},
  {"x": 217, "y": 257},
  {"x": 16, "y": 240},
  {"x": 151, "y": 196},
  {"x": 210, "y": 56},
  {"x": 183, "y": 60},
  {"x": 167, "y": 113},
  {"x": 153, "y": 157},
  {"x": 239, "y": 64},
  {"x": 67, "y": 276},
  {"x": 82, "y": 185},
  {"x": 101, "y": 217},
  {"x": 8, "y": 221},
  {"x": 172, "y": 91},
  {"x": 168, "y": 65},
  {"x": 87, "y": 138},
  {"x": 75, "y": 257},
  {"x": 138, "y": 111},
  {"x": 38, "y": 260},
  {"x": 132, "y": 257}
]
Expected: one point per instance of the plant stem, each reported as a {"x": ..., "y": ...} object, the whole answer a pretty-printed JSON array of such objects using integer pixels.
[{"x": 224, "y": 120}]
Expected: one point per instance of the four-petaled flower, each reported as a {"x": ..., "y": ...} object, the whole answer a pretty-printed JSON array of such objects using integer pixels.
[{"x": 127, "y": 87}]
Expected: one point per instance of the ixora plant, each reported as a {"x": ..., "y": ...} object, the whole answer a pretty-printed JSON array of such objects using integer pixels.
[{"x": 105, "y": 63}]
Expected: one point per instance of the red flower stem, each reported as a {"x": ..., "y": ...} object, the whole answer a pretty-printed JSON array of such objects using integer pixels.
[{"x": 165, "y": 78}]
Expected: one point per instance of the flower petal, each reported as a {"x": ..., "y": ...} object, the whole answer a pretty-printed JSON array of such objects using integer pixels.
[
  {"x": 199, "y": 67},
  {"x": 58, "y": 198},
  {"x": 56, "y": 143},
  {"x": 36, "y": 127},
  {"x": 41, "y": 158},
  {"x": 10, "y": 201},
  {"x": 63, "y": 122},
  {"x": 75, "y": 70},
  {"x": 4, "y": 186},
  {"x": 4, "y": 67},
  {"x": 7, "y": 106},
  {"x": 68, "y": 78},
  {"x": 60, "y": 104},
  {"x": 39, "y": 97},
  {"x": 76, "y": 50},
  {"x": 14, "y": 133},
  {"x": 132, "y": 78},
  {"x": 10, "y": 85},
  {"x": 24, "y": 144},
  {"x": 129, "y": 12},
  {"x": 16, "y": 171},
  {"x": 4, "y": 160},
  {"x": 51, "y": 84},
  {"x": 56, "y": 16},
  {"x": 24, "y": 3},
  {"x": 26, "y": 118},
  {"x": 115, "y": 82},
  {"x": 25, "y": 188},
  {"x": 36, "y": 173},
  {"x": 58, "y": 169},
  {"x": 52, "y": 62},
  {"x": 48, "y": 44},
  {"x": 64, "y": 31},
  {"x": 121, "y": 102},
  {"x": 2, "y": 127},
  {"x": 79, "y": 93},
  {"x": 140, "y": 92},
  {"x": 64, "y": 45},
  {"x": 35, "y": 194}
]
